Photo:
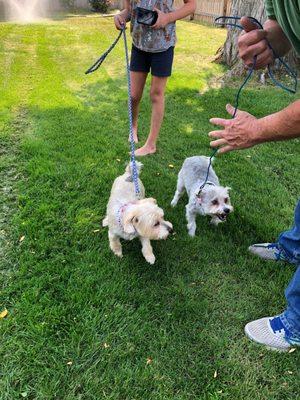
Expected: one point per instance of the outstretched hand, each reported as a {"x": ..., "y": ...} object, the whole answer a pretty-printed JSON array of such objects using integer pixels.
[{"x": 241, "y": 132}]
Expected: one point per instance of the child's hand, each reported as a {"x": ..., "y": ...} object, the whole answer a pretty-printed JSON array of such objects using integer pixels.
[
  {"x": 120, "y": 21},
  {"x": 162, "y": 20}
]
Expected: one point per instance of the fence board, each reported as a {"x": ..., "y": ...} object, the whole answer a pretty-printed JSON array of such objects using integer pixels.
[{"x": 208, "y": 10}]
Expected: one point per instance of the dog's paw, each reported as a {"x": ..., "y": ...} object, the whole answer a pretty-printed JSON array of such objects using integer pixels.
[
  {"x": 191, "y": 230},
  {"x": 150, "y": 259},
  {"x": 118, "y": 253},
  {"x": 192, "y": 233}
]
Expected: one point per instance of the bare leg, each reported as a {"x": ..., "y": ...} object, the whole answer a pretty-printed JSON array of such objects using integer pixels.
[
  {"x": 147, "y": 250},
  {"x": 115, "y": 244},
  {"x": 191, "y": 220},
  {"x": 138, "y": 80},
  {"x": 179, "y": 191},
  {"x": 157, "y": 95}
]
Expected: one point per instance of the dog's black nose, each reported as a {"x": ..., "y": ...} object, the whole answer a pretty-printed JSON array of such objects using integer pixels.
[
  {"x": 226, "y": 210},
  {"x": 170, "y": 230}
]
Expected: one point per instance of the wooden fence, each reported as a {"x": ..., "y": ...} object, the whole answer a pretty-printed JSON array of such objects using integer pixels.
[{"x": 208, "y": 10}]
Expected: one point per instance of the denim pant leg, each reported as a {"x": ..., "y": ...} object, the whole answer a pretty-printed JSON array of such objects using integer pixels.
[
  {"x": 291, "y": 317},
  {"x": 289, "y": 241}
]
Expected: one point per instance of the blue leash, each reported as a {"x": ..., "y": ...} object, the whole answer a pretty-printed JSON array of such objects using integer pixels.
[
  {"x": 290, "y": 72},
  {"x": 93, "y": 68}
]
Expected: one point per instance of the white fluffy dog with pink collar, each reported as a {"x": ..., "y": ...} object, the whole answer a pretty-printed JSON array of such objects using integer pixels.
[{"x": 128, "y": 217}]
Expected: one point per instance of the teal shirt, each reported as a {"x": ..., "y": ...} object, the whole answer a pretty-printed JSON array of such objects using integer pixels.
[{"x": 287, "y": 14}]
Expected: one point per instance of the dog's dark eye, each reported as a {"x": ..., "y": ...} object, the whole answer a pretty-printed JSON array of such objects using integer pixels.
[
  {"x": 215, "y": 202},
  {"x": 226, "y": 200},
  {"x": 157, "y": 224}
]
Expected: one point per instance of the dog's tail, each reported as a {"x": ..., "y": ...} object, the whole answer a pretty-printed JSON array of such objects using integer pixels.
[{"x": 139, "y": 167}]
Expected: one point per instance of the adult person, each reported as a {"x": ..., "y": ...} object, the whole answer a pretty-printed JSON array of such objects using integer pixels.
[
  {"x": 282, "y": 30},
  {"x": 152, "y": 49}
]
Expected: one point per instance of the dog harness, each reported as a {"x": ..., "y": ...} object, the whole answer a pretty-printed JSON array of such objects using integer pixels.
[{"x": 121, "y": 211}]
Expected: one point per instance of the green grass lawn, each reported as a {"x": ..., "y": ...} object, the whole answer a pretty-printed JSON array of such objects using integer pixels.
[{"x": 83, "y": 324}]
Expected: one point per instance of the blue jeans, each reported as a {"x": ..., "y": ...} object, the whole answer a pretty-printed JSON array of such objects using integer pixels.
[{"x": 289, "y": 241}]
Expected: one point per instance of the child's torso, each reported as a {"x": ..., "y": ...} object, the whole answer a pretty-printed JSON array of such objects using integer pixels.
[{"x": 145, "y": 37}]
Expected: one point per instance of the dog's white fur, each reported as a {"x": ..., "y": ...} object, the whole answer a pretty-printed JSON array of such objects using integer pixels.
[
  {"x": 214, "y": 199},
  {"x": 128, "y": 218}
]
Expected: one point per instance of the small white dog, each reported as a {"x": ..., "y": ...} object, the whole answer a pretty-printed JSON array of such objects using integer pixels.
[
  {"x": 128, "y": 218},
  {"x": 213, "y": 200}
]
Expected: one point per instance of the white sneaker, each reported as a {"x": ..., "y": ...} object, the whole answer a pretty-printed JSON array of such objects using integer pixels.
[
  {"x": 268, "y": 331},
  {"x": 268, "y": 251}
]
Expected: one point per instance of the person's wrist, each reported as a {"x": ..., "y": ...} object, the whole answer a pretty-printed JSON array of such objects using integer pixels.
[
  {"x": 168, "y": 17},
  {"x": 263, "y": 130}
]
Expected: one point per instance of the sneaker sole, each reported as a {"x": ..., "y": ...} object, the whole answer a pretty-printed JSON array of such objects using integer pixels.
[{"x": 277, "y": 349}]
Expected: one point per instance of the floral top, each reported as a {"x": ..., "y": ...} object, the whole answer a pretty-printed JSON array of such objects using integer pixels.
[{"x": 145, "y": 37}]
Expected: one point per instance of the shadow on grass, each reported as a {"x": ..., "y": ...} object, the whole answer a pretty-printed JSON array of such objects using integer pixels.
[
  {"x": 187, "y": 311},
  {"x": 74, "y": 155}
]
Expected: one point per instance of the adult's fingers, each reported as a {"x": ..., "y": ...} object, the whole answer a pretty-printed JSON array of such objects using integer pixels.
[
  {"x": 248, "y": 24},
  {"x": 216, "y": 134},
  {"x": 264, "y": 59},
  {"x": 248, "y": 53},
  {"x": 231, "y": 110},
  {"x": 247, "y": 39},
  {"x": 225, "y": 149},
  {"x": 218, "y": 143},
  {"x": 220, "y": 121}
]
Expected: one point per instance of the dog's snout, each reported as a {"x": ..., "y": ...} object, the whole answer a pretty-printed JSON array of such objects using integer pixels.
[
  {"x": 226, "y": 210},
  {"x": 170, "y": 229}
]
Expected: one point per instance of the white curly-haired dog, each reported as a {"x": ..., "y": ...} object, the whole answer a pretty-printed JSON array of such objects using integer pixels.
[
  {"x": 128, "y": 218},
  {"x": 213, "y": 200}
]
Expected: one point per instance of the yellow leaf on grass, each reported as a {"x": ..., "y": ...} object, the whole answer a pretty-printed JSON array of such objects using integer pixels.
[
  {"x": 171, "y": 166},
  {"x": 3, "y": 314},
  {"x": 106, "y": 345},
  {"x": 149, "y": 361},
  {"x": 215, "y": 374},
  {"x": 21, "y": 239},
  {"x": 69, "y": 362}
]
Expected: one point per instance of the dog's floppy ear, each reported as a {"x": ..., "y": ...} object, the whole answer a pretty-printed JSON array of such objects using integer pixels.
[
  {"x": 152, "y": 200},
  {"x": 148, "y": 200},
  {"x": 128, "y": 222}
]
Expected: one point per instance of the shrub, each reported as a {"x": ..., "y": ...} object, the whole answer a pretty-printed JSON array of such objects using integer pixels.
[{"x": 100, "y": 5}]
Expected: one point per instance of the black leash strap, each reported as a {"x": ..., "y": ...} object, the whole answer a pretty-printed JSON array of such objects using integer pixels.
[{"x": 100, "y": 60}]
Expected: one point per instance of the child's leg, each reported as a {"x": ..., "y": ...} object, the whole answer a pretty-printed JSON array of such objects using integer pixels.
[
  {"x": 138, "y": 80},
  {"x": 157, "y": 95}
]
